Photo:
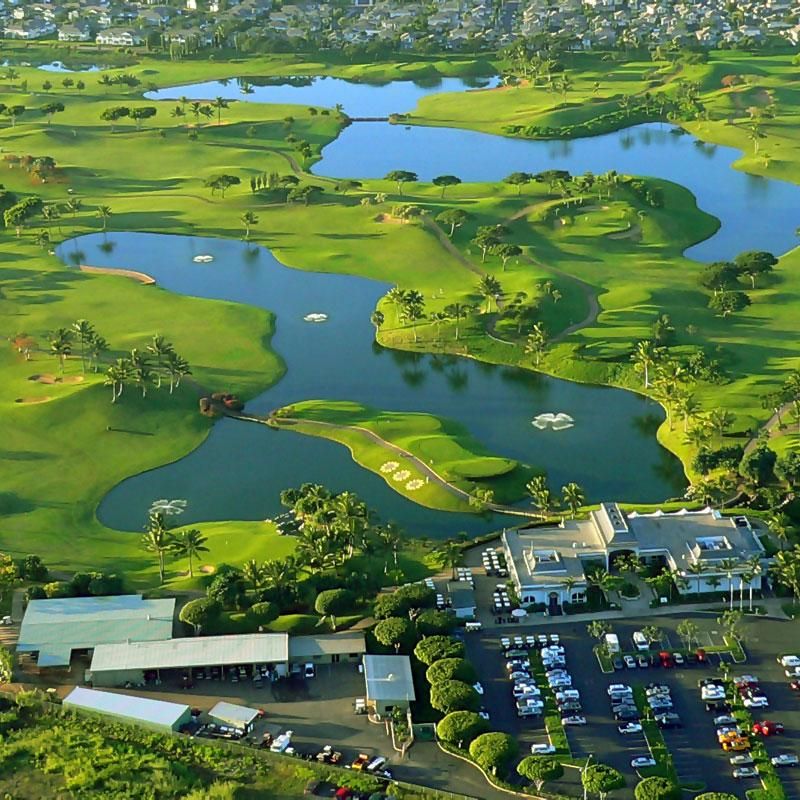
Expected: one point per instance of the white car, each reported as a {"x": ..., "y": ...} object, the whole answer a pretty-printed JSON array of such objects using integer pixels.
[
  {"x": 310, "y": 671},
  {"x": 792, "y": 672},
  {"x": 526, "y": 690},
  {"x": 520, "y": 675},
  {"x": 619, "y": 688},
  {"x": 574, "y": 720},
  {"x": 713, "y": 693},
  {"x": 642, "y": 761},
  {"x": 741, "y": 760},
  {"x": 484, "y": 714},
  {"x": 505, "y": 643},
  {"x": 560, "y": 683},
  {"x": 659, "y": 689},
  {"x": 568, "y": 694},
  {"x": 745, "y": 772},
  {"x": 789, "y": 661},
  {"x": 630, "y": 662},
  {"x": 519, "y": 642},
  {"x": 784, "y": 760},
  {"x": 530, "y": 641},
  {"x": 555, "y": 638},
  {"x": 756, "y": 702},
  {"x": 629, "y": 727},
  {"x": 478, "y": 687},
  {"x": 739, "y": 679},
  {"x": 542, "y": 749},
  {"x": 724, "y": 719}
]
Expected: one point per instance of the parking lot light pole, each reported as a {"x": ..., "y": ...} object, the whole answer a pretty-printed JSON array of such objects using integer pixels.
[{"x": 585, "y": 767}]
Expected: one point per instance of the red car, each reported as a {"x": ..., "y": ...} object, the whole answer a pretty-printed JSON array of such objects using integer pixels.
[
  {"x": 666, "y": 659},
  {"x": 795, "y": 685},
  {"x": 767, "y": 728}
]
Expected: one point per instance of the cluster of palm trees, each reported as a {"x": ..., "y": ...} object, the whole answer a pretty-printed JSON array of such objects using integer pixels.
[
  {"x": 786, "y": 570},
  {"x": 197, "y": 109},
  {"x": 92, "y": 345},
  {"x": 409, "y": 305},
  {"x": 333, "y": 526},
  {"x": 157, "y": 362},
  {"x": 542, "y": 498},
  {"x": 161, "y": 540}
]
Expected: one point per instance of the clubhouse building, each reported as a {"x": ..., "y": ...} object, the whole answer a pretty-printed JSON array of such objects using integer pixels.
[{"x": 709, "y": 551}]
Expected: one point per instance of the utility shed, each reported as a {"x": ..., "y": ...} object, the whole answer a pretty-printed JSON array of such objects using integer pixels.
[
  {"x": 154, "y": 714},
  {"x": 115, "y": 665},
  {"x": 390, "y": 684},
  {"x": 234, "y": 715},
  {"x": 54, "y": 628}
]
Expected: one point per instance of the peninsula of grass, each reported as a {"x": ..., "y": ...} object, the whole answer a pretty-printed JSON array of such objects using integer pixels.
[
  {"x": 430, "y": 460},
  {"x": 60, "y": 455}
]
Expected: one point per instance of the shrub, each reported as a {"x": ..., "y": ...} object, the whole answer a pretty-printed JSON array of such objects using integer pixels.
[
  {"x": 35, "y": 593},
  {"x": 538, "y": 770},
  {"x": 200, "y": 612},
  {"x": 390, "y": 605},
  {"x": 332, "y": 602},
  {"x": 418, "y": 595},
  {"x": 461, "y": 727},
  {"x": 494, "y": 751},
  {"x": 451, "y": 669},
  {"x": 448, "y": 696},
  {"x": 657, "y": 788},
  {"x": 601, "y": 779},
  {"x": 396, "y": 632},
  {"x": 432, "y": 622},
  {"x": 434, "y": 648},
  {"x": 59, "y": 589},
  {"x": 263, "y": 613},
  {"x": 32, "y": 568}
]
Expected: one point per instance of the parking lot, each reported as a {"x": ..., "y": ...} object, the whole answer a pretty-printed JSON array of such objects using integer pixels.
[{"x": 696, "y": 754}]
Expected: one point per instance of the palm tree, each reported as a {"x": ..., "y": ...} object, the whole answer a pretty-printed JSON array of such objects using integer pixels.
[
  {"x": 569, "y": 585},
  {"x": 390, "y": 538},
  {"x": 73, "y": 205},
  {"x": 96, "y": 347},
  {"x": 688, "y": 407},
  {"x": 189, "y": 543},
  {"x": 248, "y": 220},
  {"x": 719, "y": 420},
  {"x": 377, "y": 318},
  {"x": 117, "y": 375},
  {"x": 490, "y": 289},
  {"x": 104, "y": 213},
  {"x": 541, "y": 495},
  {"x": 84, "y": 331},
  {"x": 157, "y": 539},
  {"x": 396, "y": 295},
  {"x": 177, "y": 367},
  {"x": 727, "y": 566},
  {"x": 536, "y": 343},
  {"x": 279, "y": 573},
  {"x": 449, "y": 554},
  {"x": 219, "y": 103},
  {"x": 254, "y": 573},
  {"x": 160, "y": 348},
  {"x": 413, "y": 313},
  {"x": 696, "y": 568},
  {"x": 61, "y": 345},
  {"x": 779, "y": 525},
  {"x": 574, "y": 497},
  {"x": 645, "y": 356},
  {"x": 141, "y": 372},
  {"x": 457, "y": 312}
]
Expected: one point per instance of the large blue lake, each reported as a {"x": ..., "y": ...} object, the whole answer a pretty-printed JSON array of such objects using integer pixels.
[{"x": 611, "y": 450}]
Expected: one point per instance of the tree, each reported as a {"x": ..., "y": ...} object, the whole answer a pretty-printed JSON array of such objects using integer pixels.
[
  {"x": 505, "y": 251},
  {"x": 449, "y": 553},
  {"x": 7, "y": 665},
  {"x": 758, "y": 465},
  {"x": 104, "y": 213},
  {"x": 539, "y": 770},
  {"x": 541, "y": 496},
  {"x": 461, "y": 727},
  {"x": 518, "y": 179},
  {"x": 115, "y": 114},
  {"x": 199, "y": 613},
  {"x": 446, "y": 180},
  {"x": 447, "y": 696},
  {"x": 435, "y": 648},
  {"x": 657, "y": 788},
  {"x": 221, "y": 183},
  {"x": 451, "y": 669},
  {"x": 652, "y": 633},
  {"x": 688, "y": 630},
  {"x": 454, "y": 217},
  {"x": 395, "y": 632},
  {"x": 401, "y": 176},
  {"x": 489, "y": 288},
  {"x": 117, "y": 376},
  {"x": 142, "y": 113},
  {"x": 457, "y": 312},
  {"x": 219, "y": 103},
  {"x": 14, "y": 113},
  {"x": 377, "y": 318},
  {"x": 494, "y": 752},
  {"x": 786, "y": 569},
  {"x": 726, "y": 303},
  {"x": 598, "y": 629},
  {"x": 263, "y": 613},
  {"x": 645, "y": 356},
  {"x": 574, "y": 497},
  {"x": 228, "y": 587},
  {"x": 61, "y": 345},
  {"x": 433, "y": 622},
  {"x": 84, "y": 331},
  {"x": 347, "y": 185},
  {"x": 780, "y": 524},
  {"x": 333, "y": 602},
  {"x": 158, "y": 539},
  {"x": 485, "y": 240},
  {"x": 720, "y": 276},
  {"x": 190, "y": 543},
  {"x": 601, "y": 779},
  {"x": 177, "y": 367},
  {"x": 536, "y": 343},
  {"x": 754, "y": 264},
  {"x": 248, "y": 220},
  {"x": 50, "y": 109}
]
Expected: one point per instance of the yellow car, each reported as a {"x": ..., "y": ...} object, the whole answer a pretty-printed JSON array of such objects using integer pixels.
[
  {"x": 737, "y": 744},
  {"x": 726, "y": 736}
]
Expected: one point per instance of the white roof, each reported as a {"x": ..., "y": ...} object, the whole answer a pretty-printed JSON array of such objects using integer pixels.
[
  {"x": 204, "y": 651},
  {"x": 349, "y": 642},
  {"x": 388, "y": 678},
  {"x": 238, "y": 716},
  {"x": 139, "y": 709}
]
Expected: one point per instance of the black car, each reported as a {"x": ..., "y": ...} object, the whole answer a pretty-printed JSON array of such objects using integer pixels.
[
  {"x": 719, "y": 706},
  {"x": 668, "y": 720},
  {"x": 626, "y": 715},
  {"x": 618, "y": 663}
]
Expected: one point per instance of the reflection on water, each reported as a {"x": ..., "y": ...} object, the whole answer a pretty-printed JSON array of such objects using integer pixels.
[{"x": 339, "y": 361}]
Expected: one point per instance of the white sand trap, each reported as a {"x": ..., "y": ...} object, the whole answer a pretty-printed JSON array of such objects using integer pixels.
[
  {"x": 203, "y": 259},
  {"x": 316, "y": 317},
  {"x": 553, "y": 422}
]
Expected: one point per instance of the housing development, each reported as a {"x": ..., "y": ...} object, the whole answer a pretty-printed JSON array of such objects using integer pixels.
[{"x": 399, "y": 400}]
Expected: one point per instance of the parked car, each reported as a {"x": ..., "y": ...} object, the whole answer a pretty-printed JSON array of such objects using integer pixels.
[
  {"x": 570, "y": 707},
  {"x": 617, "y": 663},
  {"x": 678, "y": 659},
  {"x": 666, "y": 659},
  {"x": 568, "y": 694},
  {"x": 749, "y": 679},
  {"x": 627, "y": 715},
  {"x": 517, "y": 663},
  {"x": 643, "y": 761},
  {"x": 712, "y": 693},
  {"x": 719, "y": 706},
  {"x": 724, "y": 719},
  {"x": 784, "y": 760},
  {"x": 619, "y": 688},
  {"x": 789, "y": 661},
  {"x": 745, "y": 772},
  {"x": 525, "y": 690},
  {"x": 309, "y": 671},
  {"x": 630, "y": 662},
  {"x": 505, "y": 643},
  {"x": 656, "y": 688},
  {"x": 668, "y": 720},
  {"x": 520, "y": 675},
  {"x": 792, "y": 672},
  {"x": 767, "y": 727},
  {"x": 741, "y": 759},
  {"x": 542, "y": 749},
  {"x": 756, "y": 702},
  {"x": 736, "y": 745},
  {"x": 574, "y": 720},
  {"x": 629, "y": 727}
]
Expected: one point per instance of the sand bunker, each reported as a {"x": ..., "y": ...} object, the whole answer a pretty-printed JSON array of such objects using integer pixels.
[
  {"x": 26, "y": 401},
  {"x": 50, "y": 379}
]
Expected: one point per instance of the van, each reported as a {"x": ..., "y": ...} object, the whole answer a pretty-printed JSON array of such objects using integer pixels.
[
  {"x": 472, "y": 627},
  {"x": 640, "y": 641},
  {"x": 612, "y": 643}
]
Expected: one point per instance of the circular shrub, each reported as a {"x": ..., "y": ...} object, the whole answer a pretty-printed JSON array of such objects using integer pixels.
[
  {"x": 395, "y": 632},
  {"x": 263, "y": 613},
  {"x": 494, "y": 752},
  {"x": 538, "y": 770},
  {"x": 451, "y": 669},
  {"x": 433, "y": 622},
  {"x": 657, "y": 788},
  {"x": 450, "y": 696},
  {"x": 434, "y": 648},
  {"x": 461, "y": 727}
]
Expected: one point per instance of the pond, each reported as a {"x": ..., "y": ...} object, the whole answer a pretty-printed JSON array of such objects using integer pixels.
[
  {"x": 358, "y": 99},
  {"x": 239, "y": 471}
]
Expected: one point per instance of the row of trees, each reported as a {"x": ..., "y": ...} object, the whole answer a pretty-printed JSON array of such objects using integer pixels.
[
  {"x": 723, "y": 279},
  {"x": 157, "y": 362},
  {"x": 572, "y": 497},
  {"x": 138, "y": 114}
]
